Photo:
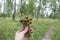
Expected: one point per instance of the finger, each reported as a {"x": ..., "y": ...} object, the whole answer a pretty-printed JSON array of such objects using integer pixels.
[
  {"x": 31, "y": 30},
  {"x": 25, "y": 30},
  {"x": 20, "y": 30}
]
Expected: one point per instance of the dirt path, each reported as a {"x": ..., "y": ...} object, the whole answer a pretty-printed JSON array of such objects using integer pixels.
[{"x": 48, "y": 34}]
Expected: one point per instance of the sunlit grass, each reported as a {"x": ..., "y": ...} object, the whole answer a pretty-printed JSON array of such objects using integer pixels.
[{"x": 8, "y": 27}]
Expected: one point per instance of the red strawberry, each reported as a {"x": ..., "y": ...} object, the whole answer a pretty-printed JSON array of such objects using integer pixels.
[
  {"x": 21, "y": 21},
  {"x": 26, "y": 17},
  {"x": 27, "y": 20},
  {"x": 30, "y": 19},
  {"x": 30, "y": 22}
]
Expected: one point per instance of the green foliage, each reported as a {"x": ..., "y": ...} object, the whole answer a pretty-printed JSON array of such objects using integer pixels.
[
  {"x": 44, "y": 2},
  {"x": 22, "y": 9},
  {"x": 54, "y": 7},
  {"x": 8, "y": 28},
  {"x": 53, "y": 2},
  {"x": 0, "y": 5},
  {"x": 9, "y": 7},
  {"x": 58, "y": 14},
  {"x": 27, "y": 9},
  {"x": 31, "y": 7},
  {"x": 56, "y": 32},
  {"x": 3, "y": 15},
  {"x": 52, "y": 15}
]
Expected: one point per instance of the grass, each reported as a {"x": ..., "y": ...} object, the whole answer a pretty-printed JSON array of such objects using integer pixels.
[
  {"x": 8, "y": 27},
  {"x": 56, "y": 32}
]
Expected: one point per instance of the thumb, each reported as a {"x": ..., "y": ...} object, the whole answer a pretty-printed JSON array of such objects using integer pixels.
[{"x": 25, "y": 30}]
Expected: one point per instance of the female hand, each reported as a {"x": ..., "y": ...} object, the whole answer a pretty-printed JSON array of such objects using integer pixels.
[{"x": 21, "y": 34}]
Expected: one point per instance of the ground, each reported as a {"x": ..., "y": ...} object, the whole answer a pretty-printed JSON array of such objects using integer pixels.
[{"x": 8, "y": 27}]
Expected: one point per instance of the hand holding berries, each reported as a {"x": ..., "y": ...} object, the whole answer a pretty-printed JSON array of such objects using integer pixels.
[{"x": 26, "y": 22}]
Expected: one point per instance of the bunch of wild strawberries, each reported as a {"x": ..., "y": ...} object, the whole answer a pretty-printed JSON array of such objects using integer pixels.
[{"x": 26, "y": 21}]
